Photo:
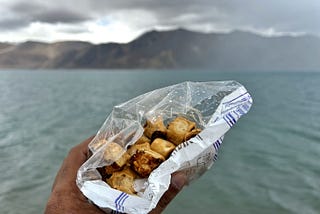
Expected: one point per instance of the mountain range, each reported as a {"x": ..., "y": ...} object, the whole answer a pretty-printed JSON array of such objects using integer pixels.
[{"x": 171, "y": 49}]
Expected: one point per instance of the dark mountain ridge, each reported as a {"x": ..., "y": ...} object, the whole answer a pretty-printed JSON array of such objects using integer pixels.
[{"x": 171, "y": 49}]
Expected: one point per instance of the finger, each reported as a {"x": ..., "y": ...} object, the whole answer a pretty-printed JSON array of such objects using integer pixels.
[
  {"x": 69, "y": 168},
  {"x": 79, "y": 153},
  {"x": 178, "y": 181}
]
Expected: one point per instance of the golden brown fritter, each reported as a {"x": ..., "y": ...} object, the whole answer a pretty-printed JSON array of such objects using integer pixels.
[
  {"x": 134, "y": 148},
  {"x": 116, "y": 157},
  {"x": 145, "y": 161},
  {"x": 143, "y": 139},
  {"x": 162, "y": 147},
  {"x": 178, "y": 130},
  {"x": 155, "y": 128},
  {"x": 123, "y": 181}
]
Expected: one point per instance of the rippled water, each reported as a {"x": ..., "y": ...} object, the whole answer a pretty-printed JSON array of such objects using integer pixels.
[{"x": 269, "y": 161}]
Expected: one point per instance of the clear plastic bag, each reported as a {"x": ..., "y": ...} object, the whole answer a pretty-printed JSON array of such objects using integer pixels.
[{"x": 214, "y": 106}]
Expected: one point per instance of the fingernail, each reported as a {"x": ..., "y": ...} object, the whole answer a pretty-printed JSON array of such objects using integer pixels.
[{"x": 178, "y": 180}]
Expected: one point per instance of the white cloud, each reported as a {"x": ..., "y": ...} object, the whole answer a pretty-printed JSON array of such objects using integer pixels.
[
  {"x": 91, "y": 32},
  {"x": 121, "y": 21},
  {"x": 114, "y": 31}
]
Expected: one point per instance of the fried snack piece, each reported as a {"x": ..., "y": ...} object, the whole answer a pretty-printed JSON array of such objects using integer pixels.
[
  {"x": 123, "y": 181},
  {"x": 112, "y": 152},
  {"x": 155, "y": 128},
  {"x": 145, "y": 161},
  {"x": 143, "y": 139},
  {"x": 103, "y": 173},
  {"x": 116, "y": 157},
  {"x": 162, "y": 147},
  {"x": 192, "y": 134},
  {"x": 97, "y": 144},
  {"x": 109, "y": 169},
  {"x": 134, "y": 148},
  {"x": 178, "y": 130}
]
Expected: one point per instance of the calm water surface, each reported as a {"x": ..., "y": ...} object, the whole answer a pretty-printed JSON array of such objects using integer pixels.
[{"x": 269, "y": 161}]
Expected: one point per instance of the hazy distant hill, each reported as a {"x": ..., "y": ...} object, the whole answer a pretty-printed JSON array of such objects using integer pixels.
[{"x": 171, "y": 49}]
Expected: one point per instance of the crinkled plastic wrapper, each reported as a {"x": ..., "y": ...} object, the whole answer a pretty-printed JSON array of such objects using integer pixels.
[{"x": 214, "y": 106}]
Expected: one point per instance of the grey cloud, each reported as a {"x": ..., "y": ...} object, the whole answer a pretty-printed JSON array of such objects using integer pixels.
[
  {"x": 166, "y": 12},
  {"x": 60, "y": 16},
  {"x": 284, "y": 15},
  {"x": 24, "y": 13},
  {"x": 16, "y": 15},
  {"x": 26, "y": 7},
  {"x": 12, "y": 24}
]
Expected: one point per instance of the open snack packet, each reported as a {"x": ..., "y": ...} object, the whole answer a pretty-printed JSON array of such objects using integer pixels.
[{"x": 146, "y": 139}]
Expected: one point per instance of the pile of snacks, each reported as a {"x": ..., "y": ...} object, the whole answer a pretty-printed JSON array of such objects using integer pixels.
[
  {"x": 146, "y": 154},
  {"x": 130, "y": 166}
]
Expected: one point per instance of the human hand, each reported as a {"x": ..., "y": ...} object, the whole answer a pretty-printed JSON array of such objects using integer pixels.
[{"x": 67, "y": 198}]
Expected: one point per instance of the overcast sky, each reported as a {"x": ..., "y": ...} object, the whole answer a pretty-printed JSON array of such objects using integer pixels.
[{"x": 101, "y": 21}]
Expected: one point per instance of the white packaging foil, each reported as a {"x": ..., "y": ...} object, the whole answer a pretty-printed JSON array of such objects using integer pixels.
[{"x": 215, "y": 106}]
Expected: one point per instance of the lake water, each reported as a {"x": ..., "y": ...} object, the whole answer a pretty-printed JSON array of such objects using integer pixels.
[{"x": 269, "y": 161}]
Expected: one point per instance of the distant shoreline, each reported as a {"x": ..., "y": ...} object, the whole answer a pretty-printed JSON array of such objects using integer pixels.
[{"x": 176, "y": 49}]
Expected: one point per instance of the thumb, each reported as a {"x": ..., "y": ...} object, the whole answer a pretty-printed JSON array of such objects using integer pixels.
[{"x": 178, "y": 181}]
